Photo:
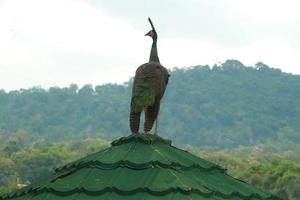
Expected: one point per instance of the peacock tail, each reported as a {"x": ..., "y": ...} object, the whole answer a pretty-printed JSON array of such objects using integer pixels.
[{"x": 143, "y": 93}]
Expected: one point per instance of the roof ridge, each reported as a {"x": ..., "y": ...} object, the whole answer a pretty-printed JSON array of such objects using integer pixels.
[{"x": 144, "y": 138}]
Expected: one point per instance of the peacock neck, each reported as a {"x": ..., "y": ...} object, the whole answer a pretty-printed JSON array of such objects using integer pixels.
[{"x": 153, "y": 53}]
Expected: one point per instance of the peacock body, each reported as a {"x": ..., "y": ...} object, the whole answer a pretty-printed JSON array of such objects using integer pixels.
[{"x": 149, "y": 85}]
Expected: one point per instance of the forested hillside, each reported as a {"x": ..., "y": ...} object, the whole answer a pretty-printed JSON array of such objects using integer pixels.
[
  {"x": 244, "y": 118},
  {"x": 220, "y": 106}
]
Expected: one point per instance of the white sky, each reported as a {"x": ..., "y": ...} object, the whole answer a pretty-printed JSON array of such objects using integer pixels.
[{"x": 59, "y": 42}]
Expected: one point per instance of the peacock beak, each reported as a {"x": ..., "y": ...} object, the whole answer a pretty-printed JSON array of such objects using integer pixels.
[{"x": 150, "y": 33}]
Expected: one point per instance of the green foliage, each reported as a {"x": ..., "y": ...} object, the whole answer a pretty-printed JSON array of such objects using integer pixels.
[
  {"x": 251, "y": 112},
  {"x": 233, "y": 103},
  {"x": 35, "y": 161},
  {"x": 281, "y": 177},
  {"x": 263, "y": 166},
  {"x": 224, "y": 106}
]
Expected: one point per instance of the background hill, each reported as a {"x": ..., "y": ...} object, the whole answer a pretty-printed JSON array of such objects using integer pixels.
[
  {"x": 243, "y": 118},
  {"x": 221, "y": 106}
]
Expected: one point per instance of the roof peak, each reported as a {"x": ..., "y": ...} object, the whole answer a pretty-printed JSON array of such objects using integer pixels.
[{"x": 145, "y": 138}]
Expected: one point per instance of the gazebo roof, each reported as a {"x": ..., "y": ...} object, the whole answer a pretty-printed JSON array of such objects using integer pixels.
[{"x": 140, "y": 167}]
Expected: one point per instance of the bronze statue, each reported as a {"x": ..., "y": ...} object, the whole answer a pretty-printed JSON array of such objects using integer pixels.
[{"x": 149, "y": 85}]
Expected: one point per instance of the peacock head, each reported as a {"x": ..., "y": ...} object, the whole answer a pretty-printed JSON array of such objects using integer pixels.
[{"x": 152, "y": 33}]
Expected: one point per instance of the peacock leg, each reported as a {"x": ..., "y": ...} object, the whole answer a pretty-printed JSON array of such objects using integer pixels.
[
  {"x": 134, "y": 121},
  {"x": 150, "y": 115}
]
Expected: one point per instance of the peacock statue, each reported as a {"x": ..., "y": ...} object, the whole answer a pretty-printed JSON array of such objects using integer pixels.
[{"x": 149, "y": 86}]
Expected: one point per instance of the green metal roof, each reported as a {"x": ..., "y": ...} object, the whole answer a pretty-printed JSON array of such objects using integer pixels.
[{"x": 141, "y": 167}]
